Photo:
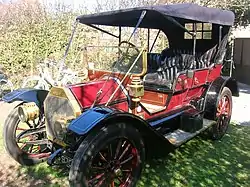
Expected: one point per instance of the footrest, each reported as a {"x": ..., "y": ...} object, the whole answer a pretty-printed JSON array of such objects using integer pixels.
[
  {"x": 153, "y": 108},
  {"x": 179, "y": 136}
]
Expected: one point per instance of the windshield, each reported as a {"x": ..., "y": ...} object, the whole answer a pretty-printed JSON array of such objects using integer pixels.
[
  {"x": 104, "y": 49},
  {"x": 114, "y": 58}
]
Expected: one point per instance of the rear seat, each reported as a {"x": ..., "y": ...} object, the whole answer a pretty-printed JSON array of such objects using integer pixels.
[
  {"x": 161, "y": 73},
  {"x": 166, "y": 73},
  {"x": 202, "y": 59},
  {"x": 206, "y": 59}
]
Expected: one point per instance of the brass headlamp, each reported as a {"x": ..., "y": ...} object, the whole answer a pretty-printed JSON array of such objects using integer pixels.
[{"x": 28, "y": 112}]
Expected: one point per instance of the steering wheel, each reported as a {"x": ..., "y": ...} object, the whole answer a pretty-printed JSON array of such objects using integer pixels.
[
  {"x": 128, "y": 47},
  {"x": 126, "y": 57}
]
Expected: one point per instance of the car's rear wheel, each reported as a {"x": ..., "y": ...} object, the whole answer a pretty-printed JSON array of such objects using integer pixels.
[
  {"x": 112, "y": 156},
  {"x": 223, "y": 114},
  {"x": 6, "y": 86},
  {"x": 25, "y": 142}
]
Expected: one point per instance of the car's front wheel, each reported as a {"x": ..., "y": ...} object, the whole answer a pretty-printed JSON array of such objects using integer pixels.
[
  {"x": 25, "y": 142},
  {"x": 112, "y": 156}
]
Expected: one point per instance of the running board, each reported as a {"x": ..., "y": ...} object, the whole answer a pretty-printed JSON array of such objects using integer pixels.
[{"x": 179, "y": 136}]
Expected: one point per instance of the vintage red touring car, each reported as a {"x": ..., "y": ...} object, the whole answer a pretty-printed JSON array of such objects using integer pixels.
[{"x": 104, "y": 128}]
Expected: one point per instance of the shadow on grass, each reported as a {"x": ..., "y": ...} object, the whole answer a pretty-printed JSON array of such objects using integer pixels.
[
  {"x": 204, "y": 163},
  {"x": 197, "y": 163},
  {"x": 39, "y": 175}
]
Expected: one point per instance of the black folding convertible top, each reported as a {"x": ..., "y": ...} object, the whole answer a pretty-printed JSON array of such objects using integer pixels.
[{"x": 158, "y": 15}]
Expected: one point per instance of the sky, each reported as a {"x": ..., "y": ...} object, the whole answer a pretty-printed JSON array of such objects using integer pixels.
[{"x": 75, "y": 4}]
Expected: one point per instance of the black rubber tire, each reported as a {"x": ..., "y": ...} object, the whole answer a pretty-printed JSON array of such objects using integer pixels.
[
  {"x": 213, "y": 132},
  {"x": 9, "y": 133},
  {"x": 97, "y": 140}
]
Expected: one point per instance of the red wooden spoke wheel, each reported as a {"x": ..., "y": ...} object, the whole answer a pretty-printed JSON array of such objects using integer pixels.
[
  {"x": 223, "y": 113},
  {"x": 112, "y": 156},
  {"x": 25, "y": 142},
  {"x": 30, "y": 142},
  {"x": 113, "y": 165}
]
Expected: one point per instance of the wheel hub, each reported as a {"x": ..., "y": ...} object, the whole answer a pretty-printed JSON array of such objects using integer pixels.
[
  {"x": 118, "y": 171},
  {"x": 223, "y": 107},
  {"x": 114, "y": 167}
]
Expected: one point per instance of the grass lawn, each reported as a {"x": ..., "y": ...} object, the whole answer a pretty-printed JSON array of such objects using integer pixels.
[
  {"x": 198, "y": 163},
  {"x": 204, "y": 163}
]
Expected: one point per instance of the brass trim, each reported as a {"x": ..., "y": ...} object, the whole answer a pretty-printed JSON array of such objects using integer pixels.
[
  {"x": 144, "y": 62},
  {"x": 73, "y": 101},
  {"x": 65, "y": 93}
]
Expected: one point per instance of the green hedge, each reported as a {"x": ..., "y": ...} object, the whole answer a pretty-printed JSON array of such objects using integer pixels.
[{"x": 29, "y": 35}]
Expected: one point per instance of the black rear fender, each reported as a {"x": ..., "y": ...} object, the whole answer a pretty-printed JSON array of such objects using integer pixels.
[
  {"x": 231, "y": 83},
  {"x": 213, "y": 92}
]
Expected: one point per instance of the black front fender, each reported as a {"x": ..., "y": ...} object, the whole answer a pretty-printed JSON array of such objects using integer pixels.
[
  {"x": 27, "y": 95},
  {"x": 99, "y": 116},
  {"x": 96, "y": 118},
  {"x": 213, "y": 92}
]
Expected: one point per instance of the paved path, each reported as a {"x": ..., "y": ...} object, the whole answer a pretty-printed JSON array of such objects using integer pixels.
[
  {"x": 241, "y": 106},
  {"x": 5, "y": 109}
]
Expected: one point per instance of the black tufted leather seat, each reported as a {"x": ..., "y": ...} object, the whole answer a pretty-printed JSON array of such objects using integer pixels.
[
  {"x": 204, "y": 60},
  {"x": 166, "y": 65},
  {"x": 165, "y": 74}
]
